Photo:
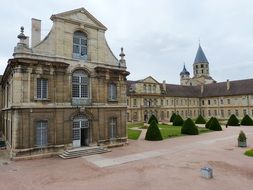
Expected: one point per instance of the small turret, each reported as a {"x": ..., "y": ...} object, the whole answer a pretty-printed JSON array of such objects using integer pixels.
[{"x": 184, "y": 76}]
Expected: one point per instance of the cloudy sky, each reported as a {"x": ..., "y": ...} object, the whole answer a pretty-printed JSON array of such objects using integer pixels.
[{"x": 158, "y": 36}]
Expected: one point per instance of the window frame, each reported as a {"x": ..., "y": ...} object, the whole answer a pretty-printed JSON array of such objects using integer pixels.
[
  {"x": 81, "y": 45},
  {"x": 112, "y": 91},
  {"x": 42, "y": 89},
  {"x": 41, "y": 133}
]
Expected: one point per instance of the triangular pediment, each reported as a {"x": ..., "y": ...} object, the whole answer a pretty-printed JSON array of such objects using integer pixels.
[
  {"x": 80, "y": 15},
  {"x": 150, "y": 80}
]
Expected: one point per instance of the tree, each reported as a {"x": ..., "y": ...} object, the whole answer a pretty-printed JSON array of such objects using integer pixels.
[
  {"x": 208, "y": 123},
  {"x": 200, "y": 120},
  {"x": 178, "y": 121},
  {"x": 233, "y": 121},
  {"x": 152, "y": 118},
  {"x": 153, "y": 133},
  {"x": 215, "y": 125},
  {"x": 172, "y": 117},
  {"x": 189, "y": 128},
  {"x": 247, "y": 121}
]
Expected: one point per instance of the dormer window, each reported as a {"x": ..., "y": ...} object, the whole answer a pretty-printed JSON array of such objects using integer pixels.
[{"x": 80, "y": 45}]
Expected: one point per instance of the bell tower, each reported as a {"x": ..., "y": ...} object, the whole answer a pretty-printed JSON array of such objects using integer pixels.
[{"x": 200, "y": 65}]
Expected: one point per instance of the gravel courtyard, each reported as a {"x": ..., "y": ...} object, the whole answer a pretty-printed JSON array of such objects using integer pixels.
[{"x": 170, "y": 164}]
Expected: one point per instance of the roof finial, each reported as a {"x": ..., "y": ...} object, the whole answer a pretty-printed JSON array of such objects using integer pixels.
[
  {"x": 122, "y": 54},
  {"x": 22, "y": 36},
  {"x": 199, "y": 41}
]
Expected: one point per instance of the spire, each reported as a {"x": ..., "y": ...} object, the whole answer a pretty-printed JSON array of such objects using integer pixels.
[
  {"x": 200, "y": 56},
  {"x": 184, "y": 71}
]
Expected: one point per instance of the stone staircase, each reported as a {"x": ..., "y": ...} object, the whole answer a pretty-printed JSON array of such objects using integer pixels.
[{"x": 83, "y": 151}]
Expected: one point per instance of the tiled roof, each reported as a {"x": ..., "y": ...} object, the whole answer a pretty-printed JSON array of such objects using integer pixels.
[
  {"x": 239, "y": 87},
  {"x": 200, "y": 56}
]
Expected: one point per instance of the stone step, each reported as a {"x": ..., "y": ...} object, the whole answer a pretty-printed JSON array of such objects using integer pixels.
[{"x": 75, "y": 153}]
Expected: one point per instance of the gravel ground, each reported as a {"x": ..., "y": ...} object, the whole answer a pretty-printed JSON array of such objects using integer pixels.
[{"x": 170, "y": 164}]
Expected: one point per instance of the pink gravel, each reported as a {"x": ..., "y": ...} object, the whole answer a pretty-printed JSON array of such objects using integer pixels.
[{"x": 178, "y": 169}]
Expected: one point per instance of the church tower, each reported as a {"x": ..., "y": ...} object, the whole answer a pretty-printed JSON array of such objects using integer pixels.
[
  {"x": 184, "y": 76},
  {"x": 200, "y": 65}
]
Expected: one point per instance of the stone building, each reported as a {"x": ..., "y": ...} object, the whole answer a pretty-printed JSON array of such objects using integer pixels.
[
  {"x": 67, "y": 90},
  {"x": 194, "y": 96},
  {"x": 200, "y": 70}
]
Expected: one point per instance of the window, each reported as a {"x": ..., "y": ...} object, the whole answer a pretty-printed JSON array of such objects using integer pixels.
[
  {"x": 135, "y": 102},
  {"x": 236, "y": 112},
  {"x": 209, "y": 112},
  {"x": 222, "y": 113},
  {"x": 41, "y": 133},
  {"x": 79, "y": 45},
  {"x": 80, "y": 85},
  {"x": 42, "y": 88},
  {"x": 221, "y": 101},
  {"x": 154, "y": 88},
  {"x": 161, "y": 102},
  {"x": 229, "y": 113},
  {"x": 112, "y": 92},
  {"x": 202, "y": 66},
  {"x": 215, "y": 102},
  {"x": 112, "y": 127},
  {"x": 215, "y": 112},
  {"x": 228, "y": 101},
  {"x": 203, "y": 102},
  {"x": 209, "y": 102},
  {"x": 244, "y": 112},
  {"x": 168, "y": 114}
]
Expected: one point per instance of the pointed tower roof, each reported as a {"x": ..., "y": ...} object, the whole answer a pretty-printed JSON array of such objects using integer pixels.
[
  {"x": 185, "y": 72},
  {"x": 200, "y": 56}
]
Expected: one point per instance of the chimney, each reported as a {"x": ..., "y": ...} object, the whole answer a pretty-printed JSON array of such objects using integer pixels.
[
  {"x": 36, "y": 31},
  {"x": 202, "y": 88},
  {"x": 164, "y": 85},
  {"x": 228, "y": 85}
]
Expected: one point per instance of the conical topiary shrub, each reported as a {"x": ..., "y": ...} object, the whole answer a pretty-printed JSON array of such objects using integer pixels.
[
  {"x": 215, "y": 125},
  {"x": 153, "y": 133},
  {"x": 172, "y": 117},
  {"x": 208, "y": 123},
  {"x": 152, "y": 118},
  {"x": 200, "y": 120},
  {"x": 178, "y": 121},
  {"x": 247, "y": 121},
  {"x": 189, "y": 128},
  {"x": 233, "y": 121}
]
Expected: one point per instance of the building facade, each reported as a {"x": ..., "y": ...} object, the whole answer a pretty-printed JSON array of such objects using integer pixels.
[
  {"x": 65, "y": 91},
  {"x": 194, "y": 96}
]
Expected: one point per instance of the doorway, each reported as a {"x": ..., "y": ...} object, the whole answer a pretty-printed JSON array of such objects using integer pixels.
[{"x": 81, "y": 132}]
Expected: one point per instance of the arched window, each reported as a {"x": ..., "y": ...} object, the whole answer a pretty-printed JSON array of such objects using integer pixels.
[
  {"x": 80, "y": 45},
  {"x": 80, "y": 88}
]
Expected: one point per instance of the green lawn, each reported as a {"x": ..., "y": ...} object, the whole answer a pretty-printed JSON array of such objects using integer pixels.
[
  {"x": 167, "y": 131},
  {"x": 133, "y": 134},
  {"x": 249, "y": 153}
]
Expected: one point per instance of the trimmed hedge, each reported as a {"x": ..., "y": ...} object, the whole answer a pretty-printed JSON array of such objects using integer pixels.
[
  {"x": 173, "y": 116},
  {"x": 178, "y": 121},
  {"x": 153, "y": 133},
  {"x": 200, "y": 120},
  {"x": 247, "y": 121},
  {"x": 189, "y": 128},
  {"x": 215, "y": 125},
  {"x": 152, "y": 118},
  {"x": 209, "y": 122},
  {"x": 233, "y": 121}
]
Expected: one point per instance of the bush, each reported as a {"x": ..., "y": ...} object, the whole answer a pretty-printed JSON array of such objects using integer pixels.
[
  {"x": 233, "y": 121},
  {"x": 189, "y": 128},
  {"x": 249, "y": 153},
  {"x": 152, "y": 118},
  {"x": 172, "y": 117},
  {"x": 242, "y": 137},
  {"x": 200, "y": 120},
  {"x": 208, "y": 123},
  {"x": 215, "y": 125},
  {"x": 178, "y": 121},
  {"x": 153, "y": 133},
  {"x": 247, "y": 120}
]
